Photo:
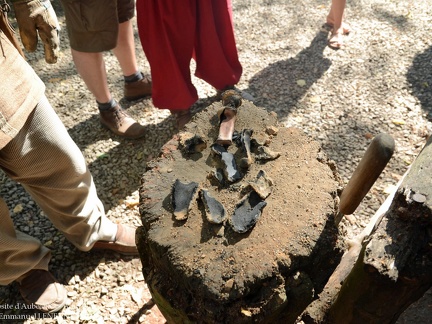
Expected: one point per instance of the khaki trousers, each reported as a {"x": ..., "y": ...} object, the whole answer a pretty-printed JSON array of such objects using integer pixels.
[{"x": 50, "y": 166}]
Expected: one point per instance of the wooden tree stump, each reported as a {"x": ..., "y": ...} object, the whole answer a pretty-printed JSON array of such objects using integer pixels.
[
  {"x": 394, "y": 267},
  {"x": 200, "y": 272}
]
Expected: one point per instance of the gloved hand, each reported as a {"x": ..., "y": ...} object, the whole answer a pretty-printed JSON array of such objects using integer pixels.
[{"x": 38, "y": 17}]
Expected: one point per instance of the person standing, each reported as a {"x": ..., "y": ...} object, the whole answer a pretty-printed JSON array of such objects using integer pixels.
[
  {"x": 96, "y": 26},
  {"x": 335, "y": 23},
  {"x": 172, "y": 34},
  {"x": 37, "y": 151}
]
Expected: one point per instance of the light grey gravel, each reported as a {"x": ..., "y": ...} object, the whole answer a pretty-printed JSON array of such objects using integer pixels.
[{"x": 380, "y": 82}]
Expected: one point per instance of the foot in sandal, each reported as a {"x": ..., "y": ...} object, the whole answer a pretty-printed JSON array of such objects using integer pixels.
[{"x": 336, "y": 40}]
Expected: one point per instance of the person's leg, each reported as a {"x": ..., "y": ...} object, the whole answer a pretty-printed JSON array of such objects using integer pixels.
[
  {"x": 335, "y": 17},
  {"x": 19, "y": 253},
  {"x": 215, "y": 47},
  {"x": 167, "y": 33},
  {"x": 93, "y": 28},
  {"x": 50, "y": 166},
  {"x": 136, "y": 85},
  {"x": 91, "y": 68},
  {"x": 25, "y": 260},
  {"x": 125, "y": 49},
  {"x": 335, "y": 20}
]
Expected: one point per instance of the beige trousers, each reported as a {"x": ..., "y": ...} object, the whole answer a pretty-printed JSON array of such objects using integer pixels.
[{"x": 50, "y": 166}]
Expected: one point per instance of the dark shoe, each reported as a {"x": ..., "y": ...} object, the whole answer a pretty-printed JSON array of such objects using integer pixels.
[
  {"x": 124, "y": 242},
  {"x": 182, "y": 117},
  {"x": 120, "y": 123},
  {"x": 138, "y": 89},
  {"x": 42, "y": 291}
]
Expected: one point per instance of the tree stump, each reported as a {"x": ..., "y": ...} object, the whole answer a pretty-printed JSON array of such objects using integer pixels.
[
  {"x": 202, "y": 272},
  {"x": 394, "y": 267}
]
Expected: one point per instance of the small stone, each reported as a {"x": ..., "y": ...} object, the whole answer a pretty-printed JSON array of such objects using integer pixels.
[
  {"x": 227, "y": 117},
  {"x": 139, "y": 277},
  {"x": 104, "y": 290},
  {"x": 229, "y": 284},
  {"x": 272, "y": 130},
  {"x": 262, "y": 184},
  {"x": 417, "y": 197},
  {"x": 217, "y": 174},
  {"x": 72, "y": 293},
  {"x": 245, "y": 139},
  {"x": 219, "y": 230},
  {"x": 266, "y": 154}
]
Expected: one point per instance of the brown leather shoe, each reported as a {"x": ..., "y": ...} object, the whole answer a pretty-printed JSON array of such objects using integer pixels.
[
  {"x": 41, "y": 290},
  {"x": 138, "y": 89},
  {"x": 124, "y": 242},
  {"x": 120, "y": 123}
]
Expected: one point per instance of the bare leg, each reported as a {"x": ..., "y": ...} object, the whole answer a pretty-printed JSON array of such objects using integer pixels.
[
  {"x": 335, "y": 17},
  {"x": 125, "y": 49},
  {"x": 91, "y": 68},
  {"x": 140, "y": 86}
]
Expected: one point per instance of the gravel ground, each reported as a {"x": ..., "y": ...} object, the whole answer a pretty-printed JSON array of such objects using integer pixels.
[{"x": 380, "y": 82}]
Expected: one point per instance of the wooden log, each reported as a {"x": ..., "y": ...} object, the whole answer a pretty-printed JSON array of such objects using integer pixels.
[
  {"x": 316, "y": 312},
  {"x": 393, "y": 269}
]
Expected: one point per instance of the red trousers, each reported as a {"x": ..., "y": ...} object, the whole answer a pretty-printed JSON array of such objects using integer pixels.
[{"x": 172, "y": 32}]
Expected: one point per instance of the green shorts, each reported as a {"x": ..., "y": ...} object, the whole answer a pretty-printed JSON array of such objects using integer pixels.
[{"x": 92, "y": 25}]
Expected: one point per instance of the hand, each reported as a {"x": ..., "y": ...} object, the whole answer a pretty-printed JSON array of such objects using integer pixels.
[{"x": 38, "y": 17}]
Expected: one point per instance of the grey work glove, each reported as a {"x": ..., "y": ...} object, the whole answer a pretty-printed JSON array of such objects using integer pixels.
[{"x": 38, "y": 17}]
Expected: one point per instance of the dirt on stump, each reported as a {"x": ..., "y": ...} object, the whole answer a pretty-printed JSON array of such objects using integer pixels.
[{"x": 202, "y": 272}]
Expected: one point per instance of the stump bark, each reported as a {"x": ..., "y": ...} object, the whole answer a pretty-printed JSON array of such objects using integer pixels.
[
  {"x": 387, "y": 269},
  {"x": 394, "y": 267},
  {"x": 200, "y": 272}
]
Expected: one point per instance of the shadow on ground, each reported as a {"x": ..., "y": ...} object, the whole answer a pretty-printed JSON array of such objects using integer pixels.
[
  {"x": 265, "y": 86},
  {"x": 419, "y": 77}
]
